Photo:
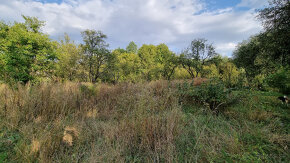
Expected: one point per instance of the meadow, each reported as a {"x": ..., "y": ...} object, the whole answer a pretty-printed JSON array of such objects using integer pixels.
[
  {"x": 142, "y": 122},
  {"x": 83, "y": 101}
]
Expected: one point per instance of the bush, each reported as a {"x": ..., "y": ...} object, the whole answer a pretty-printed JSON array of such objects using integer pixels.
[
  {"x": 88, "y": 89},
  {"x": 212, "y": 94},
  {"x": 258, "y": 82},
  {"x": 280, "y": 80}
]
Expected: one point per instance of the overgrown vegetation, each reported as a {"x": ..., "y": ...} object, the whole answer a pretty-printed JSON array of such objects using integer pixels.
[
  {"x": 146, "y": 122},
  {"x": 266, "y": 53},
  {"x": 212, "y": 94},
  {"x": 28, "y": 55},
  {"x": 68, "y": 102}
]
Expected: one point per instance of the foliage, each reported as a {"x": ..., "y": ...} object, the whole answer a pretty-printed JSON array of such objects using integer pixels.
[
  {"x": 69, "y": 56},
  {"x": 128, "y": 67},
  {"x": 26, "y": 53},
  {"x": 33, "y": 24},
  {"x": 230, "y": 74},
  {"x": 157, "y": 62},
  {"x": 210, "y": 71},
  {"x": 195, "y": 57},
  {"x": 275, "y": 19},
  {"x": 147, "y": 54},
  {"x": 166, "y": 60},
  {"x": 180, "y": 73},
  {"x": 95, "y": 53},
  {"x": 280, "y": 80},
  {"x": 132, "y": 48},
  {"x": 245, "y": 56},
  {"x": 258, "y": 82},
  {"x": 92, "y": 61},
  {"x": 266, "y": 52},
  {"x": 212, "y": 94}
]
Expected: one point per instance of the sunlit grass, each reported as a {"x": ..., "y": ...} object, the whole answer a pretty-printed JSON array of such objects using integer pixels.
[{"x": 83, "y": 122}]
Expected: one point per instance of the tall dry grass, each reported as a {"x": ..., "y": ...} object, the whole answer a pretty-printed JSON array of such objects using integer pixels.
[
  {"x": 94, "y": 122},
  {"x": 143, "y": 122}
]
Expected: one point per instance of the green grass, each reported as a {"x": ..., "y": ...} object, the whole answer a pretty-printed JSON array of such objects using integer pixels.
[
  {"x": 138, "y": 123},
  {"x": 254, "y": 130}
]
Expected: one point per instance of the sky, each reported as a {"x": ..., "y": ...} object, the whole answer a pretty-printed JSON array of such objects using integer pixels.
[{"x": 176, "y": 23}]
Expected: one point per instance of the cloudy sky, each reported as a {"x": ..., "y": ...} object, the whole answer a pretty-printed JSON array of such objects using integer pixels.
[{"x": 173, "y": 22}]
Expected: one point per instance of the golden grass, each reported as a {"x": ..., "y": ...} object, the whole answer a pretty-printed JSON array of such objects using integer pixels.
[
  {"x": 143, "y": 122},
  {"x": 70, "y": 135},
  {"x": 68, "y": 139},
  {"x": 56, "y": 116},
  {"x": 35, "y": 146}
]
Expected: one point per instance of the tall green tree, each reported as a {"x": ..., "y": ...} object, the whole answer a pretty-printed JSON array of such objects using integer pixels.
[
  {"x": 166, "y": 60},
  {"x": 111, "y": 71},
  {"x": 26, "y": 53},
  {"x": 132, "y": 48},
  {"x": 147, "y": 54},
  {"x": 265, "y": 53},
  {"x": 96, "y": 53},
  {"x": 196, "y": 56},
  {"x": 129, "y": 65},
  {"x": 276, "y": 21},
  {"x": 246, "y": 55},
  {"x": 69, "y": 56}
]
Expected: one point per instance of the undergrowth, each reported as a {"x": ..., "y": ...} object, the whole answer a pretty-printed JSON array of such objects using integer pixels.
[{"x": 148, "y": 122}]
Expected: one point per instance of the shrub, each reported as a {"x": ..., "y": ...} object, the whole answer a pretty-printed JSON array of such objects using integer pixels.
[
  {"x": 212, "y": 94},
  {"x": 88, "y": 89},
  {"x": 280, "y": 80},
  {"x": 258, "y": 82}
]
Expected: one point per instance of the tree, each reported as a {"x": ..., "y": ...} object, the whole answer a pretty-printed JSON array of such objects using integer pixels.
[
  {"x": 229, "y": 73},
  {"x": 276, "y": 16},
  {"x": 147, "y": 54},
  {"x": 265, "y": 53},
  {"x": 196, "y": 56},
  {"x": 246, "y": 54},
  {"x": 129, "y": 65},
  {"x": 276, "y": 22},
  {"x": 167, "y": 61},
  {"x": 111, "y": 69},
  {"x": 26, "y": 53},
  {"x": 280, "y": 80},
  {"x": 132, "y": 48},
  {"x": 33, "y": 24},
  {"x": 120, "y": 50},
  {"x": 96, "y": 53},
  {"x": 69, "y": 55}
]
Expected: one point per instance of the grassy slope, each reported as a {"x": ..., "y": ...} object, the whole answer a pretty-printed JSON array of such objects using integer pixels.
[{"x": 137, "y": 123}]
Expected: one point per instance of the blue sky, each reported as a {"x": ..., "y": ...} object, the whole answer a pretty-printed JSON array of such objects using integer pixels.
[{"x": 173, "y": 22}]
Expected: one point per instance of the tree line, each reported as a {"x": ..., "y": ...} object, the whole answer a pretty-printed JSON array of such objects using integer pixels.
[{"x": 27, "y": 54}]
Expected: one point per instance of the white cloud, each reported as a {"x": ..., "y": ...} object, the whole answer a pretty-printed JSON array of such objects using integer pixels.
[
  {"x": 174, "y": 22},
  {"x": 223, "y": 48}
]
